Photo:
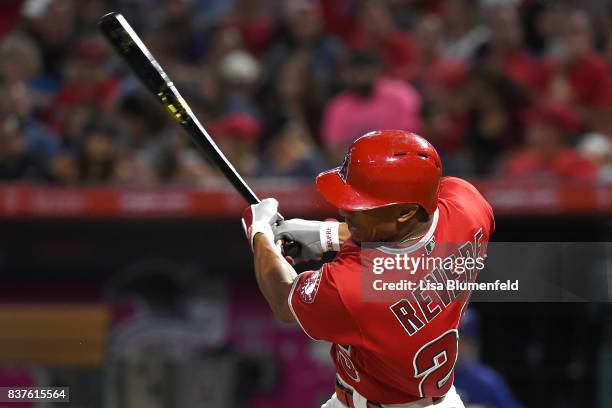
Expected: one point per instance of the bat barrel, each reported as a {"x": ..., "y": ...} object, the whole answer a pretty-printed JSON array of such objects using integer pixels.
[{"x": 128, "y": 45}]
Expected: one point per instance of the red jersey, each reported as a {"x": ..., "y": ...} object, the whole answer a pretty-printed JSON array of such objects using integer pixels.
[{"x": 394, "y": 352}]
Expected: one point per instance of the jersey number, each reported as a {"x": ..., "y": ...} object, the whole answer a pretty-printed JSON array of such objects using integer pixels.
[{"x": 434, "y": 364}]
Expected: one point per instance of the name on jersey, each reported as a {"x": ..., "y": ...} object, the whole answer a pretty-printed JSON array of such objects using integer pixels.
[{"x": 440, "y": 286}]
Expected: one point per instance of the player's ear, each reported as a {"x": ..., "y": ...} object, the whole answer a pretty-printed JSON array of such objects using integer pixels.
[{"x": 407, "y": 213}]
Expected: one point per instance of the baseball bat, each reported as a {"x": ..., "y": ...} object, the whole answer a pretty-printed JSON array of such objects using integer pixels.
[{"x": 133, "y": 51}]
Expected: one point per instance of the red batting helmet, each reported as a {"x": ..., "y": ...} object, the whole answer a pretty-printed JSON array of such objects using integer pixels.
[{"x": 383, "y": 168}]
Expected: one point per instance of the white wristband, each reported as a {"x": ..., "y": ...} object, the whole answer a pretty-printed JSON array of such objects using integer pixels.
[{"x": 328, "y": 234}]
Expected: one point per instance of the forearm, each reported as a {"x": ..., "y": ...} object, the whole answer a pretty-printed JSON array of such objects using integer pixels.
[{"x": 274, "y": 276}]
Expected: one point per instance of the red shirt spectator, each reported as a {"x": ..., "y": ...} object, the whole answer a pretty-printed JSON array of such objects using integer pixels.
[
  {"x": 546, "y": 155},
  {"x": 580, "y": 75},
  {"x": 434, "y": 72},
  {"x": 521, "y": 68},
  {"x": 506, "y": 52},
  {"x": 9, "y": 15},
  {"x": 86, "y": 83},
  {"x": 256, "y": 26},
  {"x": 446, "y": 112},
  {"x": 584, "y": 80},
  {"x": 375, "y": 30},
  {"x": 237, "y": 135},
  {"x": 397, "y": 51},
  {"x": 339, "y": 17}
]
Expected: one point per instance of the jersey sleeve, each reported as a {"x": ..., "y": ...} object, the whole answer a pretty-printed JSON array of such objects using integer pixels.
[{"x": 317, "y": 306}]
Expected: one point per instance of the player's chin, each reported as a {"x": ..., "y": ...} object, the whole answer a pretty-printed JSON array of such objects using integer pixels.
[
  {"x": 355, "y": 235},
  {"x": 359, "y": 238}
]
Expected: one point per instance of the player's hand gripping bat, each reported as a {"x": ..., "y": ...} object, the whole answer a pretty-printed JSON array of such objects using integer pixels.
[{"x": 132, "y": 50}]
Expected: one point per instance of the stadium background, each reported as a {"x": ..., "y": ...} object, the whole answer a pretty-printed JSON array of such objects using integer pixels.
[{"x": 125, "y": 273}]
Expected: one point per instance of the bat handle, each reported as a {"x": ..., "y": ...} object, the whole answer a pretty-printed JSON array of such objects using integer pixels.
[{"x": 292, "y": 249}]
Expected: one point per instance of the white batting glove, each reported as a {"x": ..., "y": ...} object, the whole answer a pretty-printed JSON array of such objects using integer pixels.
[
  {"x": 315, "y": 237},
  {"x": 260, "y": 218}
]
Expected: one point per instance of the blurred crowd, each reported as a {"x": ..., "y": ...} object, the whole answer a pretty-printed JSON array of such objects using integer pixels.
[{"x": 518, "y": 89}]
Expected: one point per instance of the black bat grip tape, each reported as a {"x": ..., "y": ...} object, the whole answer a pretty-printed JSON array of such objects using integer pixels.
[{"x": 292, "y": 249}]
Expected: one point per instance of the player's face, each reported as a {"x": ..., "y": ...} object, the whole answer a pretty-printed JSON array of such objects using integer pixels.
[{"x": 377, "y": 225}]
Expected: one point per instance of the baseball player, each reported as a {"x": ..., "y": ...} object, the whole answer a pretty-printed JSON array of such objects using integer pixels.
[{"x": 389, "y": 190}]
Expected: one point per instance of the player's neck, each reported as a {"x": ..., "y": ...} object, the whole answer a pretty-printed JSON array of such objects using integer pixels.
[{"x": 412, "y": 232}]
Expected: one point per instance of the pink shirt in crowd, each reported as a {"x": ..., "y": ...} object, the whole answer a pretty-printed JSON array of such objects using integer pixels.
[{"x": 394, "y": 104}]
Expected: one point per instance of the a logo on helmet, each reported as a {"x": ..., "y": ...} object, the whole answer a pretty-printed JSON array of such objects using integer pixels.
[{"x": 344, "y": 169}]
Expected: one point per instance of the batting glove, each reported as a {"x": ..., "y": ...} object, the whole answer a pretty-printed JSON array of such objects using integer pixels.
[
  {"x": 260, "y": 218},
  {"x": 315, "y": 237}
]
